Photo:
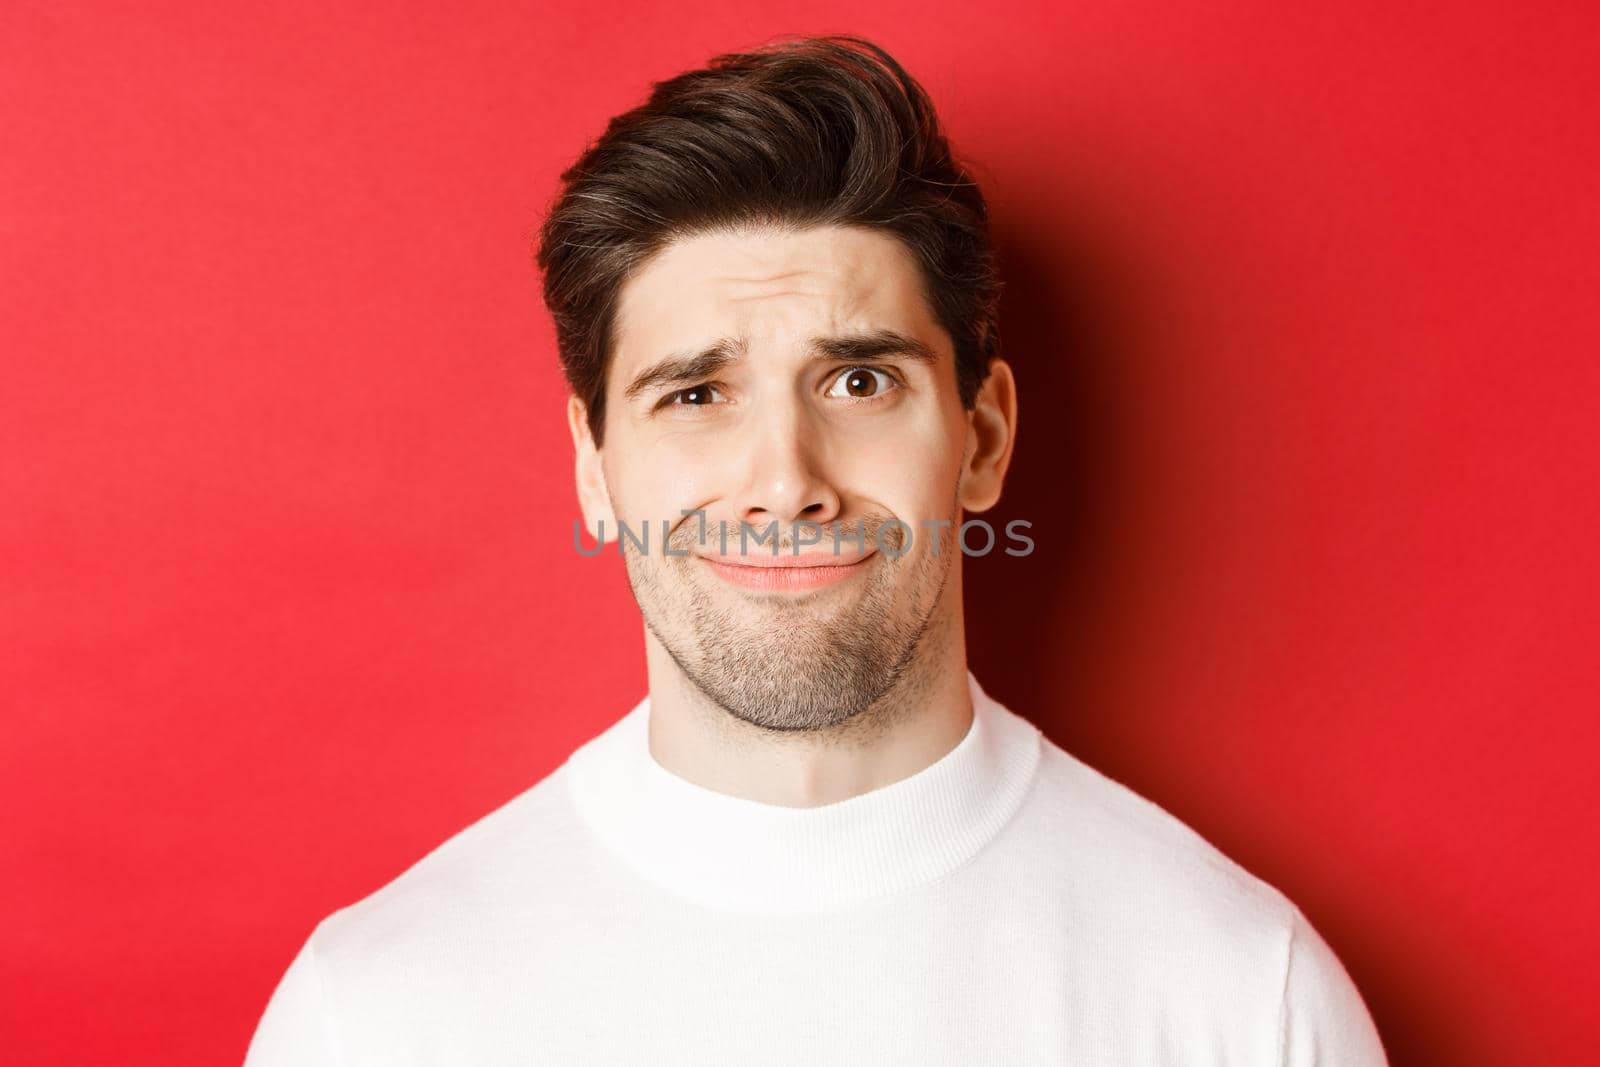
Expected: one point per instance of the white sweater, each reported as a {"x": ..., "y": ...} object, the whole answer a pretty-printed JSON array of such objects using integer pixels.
[{"x": 1007, "y": 904}]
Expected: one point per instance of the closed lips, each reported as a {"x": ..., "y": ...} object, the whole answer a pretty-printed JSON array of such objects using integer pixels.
[{"x": 784, "y": 560}]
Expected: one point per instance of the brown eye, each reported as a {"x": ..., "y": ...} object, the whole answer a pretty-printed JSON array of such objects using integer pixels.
[
  {"x": 694, "y": 396},
  {"x": 861, "y": 383}
]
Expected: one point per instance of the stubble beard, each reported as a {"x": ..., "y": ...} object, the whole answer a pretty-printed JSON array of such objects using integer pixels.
[{"x": 790, "y": 663}]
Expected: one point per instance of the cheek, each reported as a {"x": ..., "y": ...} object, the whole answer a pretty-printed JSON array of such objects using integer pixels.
[
  {"x": 910, "y": 463},
  {"x": 662, "y": 478}
]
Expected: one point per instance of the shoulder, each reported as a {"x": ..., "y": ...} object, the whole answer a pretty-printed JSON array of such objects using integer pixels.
[
  {"x": 1116, "y": 862},
  {"x": 1137, "y": 839},
  {"x": 435, "y": 938},
  {"x": 1153, "y": 901},
  {"x": 506, "y": 869}
]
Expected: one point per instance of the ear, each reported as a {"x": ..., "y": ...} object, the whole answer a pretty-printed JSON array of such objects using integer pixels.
[
  {"x": 991, "y": 432},
  {"x": 593, "y": 496}
]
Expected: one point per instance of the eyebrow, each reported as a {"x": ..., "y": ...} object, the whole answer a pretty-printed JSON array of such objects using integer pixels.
[{"x": 692, "y": 367}]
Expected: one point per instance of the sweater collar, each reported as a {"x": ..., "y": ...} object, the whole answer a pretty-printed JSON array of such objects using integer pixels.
[{"x": 730, "y": 853}]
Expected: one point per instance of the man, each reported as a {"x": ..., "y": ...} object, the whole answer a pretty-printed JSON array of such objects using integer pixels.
[{"x": 817, "y": 839}]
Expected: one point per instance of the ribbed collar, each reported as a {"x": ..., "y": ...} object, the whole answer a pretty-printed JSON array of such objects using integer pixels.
[{"x": 735, "y": 854}]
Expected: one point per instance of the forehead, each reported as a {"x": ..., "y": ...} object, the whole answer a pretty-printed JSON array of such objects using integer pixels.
[{"x": 770, "y": 285}]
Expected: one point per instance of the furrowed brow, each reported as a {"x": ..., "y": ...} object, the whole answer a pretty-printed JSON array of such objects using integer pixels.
[
  {"x": 690, "y": 367},
  {"x": 873, "y": 345}
]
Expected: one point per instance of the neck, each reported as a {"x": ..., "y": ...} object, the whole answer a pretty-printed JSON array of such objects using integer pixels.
[{"x": 920, "y": 719}]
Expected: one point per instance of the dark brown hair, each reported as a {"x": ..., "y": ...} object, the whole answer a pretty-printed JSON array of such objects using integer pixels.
[{"x": 803, "y": 132}]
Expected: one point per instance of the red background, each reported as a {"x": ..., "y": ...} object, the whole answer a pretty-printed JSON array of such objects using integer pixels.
[{"x": 1303, "y": 311}]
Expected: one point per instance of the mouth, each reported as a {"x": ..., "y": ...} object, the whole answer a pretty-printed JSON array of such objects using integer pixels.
[{"x": 786, "y": 573}]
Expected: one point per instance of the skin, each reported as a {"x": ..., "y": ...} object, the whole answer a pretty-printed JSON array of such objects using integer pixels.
[{"x": 794, "y": 696}]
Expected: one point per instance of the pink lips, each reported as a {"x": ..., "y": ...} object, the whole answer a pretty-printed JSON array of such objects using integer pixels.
[{"x": 785, "y": 572}]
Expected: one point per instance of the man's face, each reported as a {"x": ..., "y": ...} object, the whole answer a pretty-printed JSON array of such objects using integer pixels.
[{"x": 795, "y": 377}]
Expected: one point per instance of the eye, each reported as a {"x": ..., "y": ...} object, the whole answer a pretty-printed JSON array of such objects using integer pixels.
[
  {"x": 692, "y": 397},
  {"x": 862, "y": 383}
]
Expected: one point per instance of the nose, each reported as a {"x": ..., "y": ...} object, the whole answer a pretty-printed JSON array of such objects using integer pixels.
[{"x": 784, "y": 476}]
